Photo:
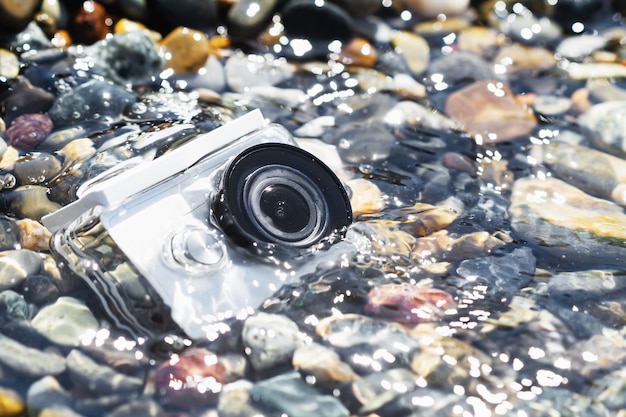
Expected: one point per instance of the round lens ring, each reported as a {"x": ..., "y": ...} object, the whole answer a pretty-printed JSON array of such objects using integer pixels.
[
  {"x": 280, "y": 194},
  {"x": 285, "y": 205}
]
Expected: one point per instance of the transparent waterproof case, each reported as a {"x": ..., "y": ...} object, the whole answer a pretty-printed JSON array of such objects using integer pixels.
[{"x": 203, "y": 233}]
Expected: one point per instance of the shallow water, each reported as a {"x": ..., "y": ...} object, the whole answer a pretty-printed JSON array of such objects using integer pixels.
[{"x": 484, "y": 272}]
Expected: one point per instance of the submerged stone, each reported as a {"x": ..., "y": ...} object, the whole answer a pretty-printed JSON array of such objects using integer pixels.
[
  {"x": 94, "y": 101},
  {"x": 289, "y": 394},
  {"x": 489, "y": 112},
  {"x": 567, "y": 222},
  {"x": 67, "y": 321}
]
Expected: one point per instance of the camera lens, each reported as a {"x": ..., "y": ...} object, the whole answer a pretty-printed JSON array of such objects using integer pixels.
[{"x": 281, "y": 194}]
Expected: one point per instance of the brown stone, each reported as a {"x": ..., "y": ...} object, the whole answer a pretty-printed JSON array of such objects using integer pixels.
[
  {"x": 489, "y": 112},
  {"x": 359, "y": 52},
  {"x": 185, "y": 50},
  {"x": 91, "y": 23}
]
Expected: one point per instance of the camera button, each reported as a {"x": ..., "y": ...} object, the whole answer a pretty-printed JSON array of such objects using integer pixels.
[{"x": 196, "y": 247}]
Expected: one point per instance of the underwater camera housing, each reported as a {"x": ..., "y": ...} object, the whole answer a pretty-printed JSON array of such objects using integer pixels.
[{"x": 203, "y": 233}]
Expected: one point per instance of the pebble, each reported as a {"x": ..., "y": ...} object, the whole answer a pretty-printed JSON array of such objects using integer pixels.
[
  {"x": 29, "y": 130},
  {"x": 290, "y": 395},
  {"x": 14, "y": 306},
  {"x": 16, "y": 15},
  {"x": 517, "y": 57},
  {"x": 11, "y": 403},
  {"x": 489, "y": 112},
  {"x": 68, "y": 321},
  {"x": 98, "y": 379},
  {"x": 322, "y": 363},
  {"x": 434, "y": 8},
  {"x": 94, "y": 101},
  {"x": 577, "y": 48},
  {"x": 9, "y": 64},
  {"x": 191, "y": 379},
  {"x": 592, "y": 171},
  {"x": 89, "y": 25},
  {"x": 185, "y": 50},
  {"x": 45, "y": 394},
  {"x": 243, "y": 72},
  {"x": 9, "y": 234},
  {"x": 25, "y": 99},
  {"x": 270, "y": 340},
  {"x": 414, "y": 49},
  {"x": 407, "y": 303},
  {"x": 247, "y": 17},
  {"x": 595, "y": 70},
  {"x": 366, "y": 197},
  {"x": 363, "y": 142},
  {"x": 564, "y": 220},
  {"x": 27, "y": 361},
  {"x": 459, "y": 68},
  {"x": 28, "y": 201},
  {"x": 124, "y": 58},
  {"x": 16, "y": 265},
  {"x": 607, "y": 121},
  {"x": 359, "y": 52}
]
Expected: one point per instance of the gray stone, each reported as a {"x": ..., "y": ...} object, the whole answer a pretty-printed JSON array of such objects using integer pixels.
[
  {"x": 270, "y": 339},
  {"x": 16, "y": 265},
  {"x": 46, "y": 393},
  {"x": 99, "y": 379},
  {"x": 66, "y": 322},
  {"x": 94, "y": 101},
  {"x": 27, "y": 361},
  {"x": 289, "y": 394}
]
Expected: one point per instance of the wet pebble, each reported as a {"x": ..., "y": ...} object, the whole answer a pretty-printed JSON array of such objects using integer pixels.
[
  {"x": 124, "y": 58},
  {"x": 29, "y": 130},
  {"x": 359, "y": 52},
  {"x": 414, "y": 49},
  {"x": 9, "y": 64},
  {"x": 607, "y": 121},
  {"x": 516, "y": 57},
  {"x": 16, "y": 265},
  {"x": 28, "y": 201},
  {"x": 39, "y": 289},
  {"x": 374, "y": 391},
  {"x": 322, "y": 363},
  {"x": 67, "y": 321},
  {"x": 579, "y": 47},
  {"x": 289, "y": 394},
  {"x": 185, "y": 50},
  {"x": 501, "y": 276},
  {"x": 461, "y": 67},
  {"x": 434, "y": 8},
  {"x": 35, "y": 168},
  {"x": 14, "y": 306},
  {"x": 245, "y": 71},
  {"x": 247, "y": 17},
  {"x": 363, "y": 142},
  {"x": 306, "y": 38},
  {"x": 14, "y": 16},
  {"x": 564, "y": 220},
  {"x": 407, "y": 303},
  {"x": 47, "y": 393},
  {"x": 9, "y": 234},
  {"x": 94, "y": 101},
  {"x": 191, "y": 379},
  {"x": 489, "y": 112},
  {"x": 27, "y": 361},
  {"x": 89, "y": 25},
  {"x": 592, "y": 171},
  {"x": 270, "y": 340},
  {"x": 11, "y": 403},
  {"x": 24, "y": 98},
  {"x": 98, "y": 379}
]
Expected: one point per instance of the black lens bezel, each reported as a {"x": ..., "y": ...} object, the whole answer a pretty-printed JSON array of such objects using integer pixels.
[{"x": 232, "y": 207}]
